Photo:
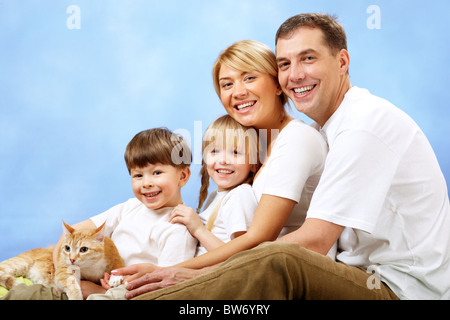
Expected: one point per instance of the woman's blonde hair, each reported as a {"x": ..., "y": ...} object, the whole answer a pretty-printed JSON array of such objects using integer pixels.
[
  {"x": 231, "y": 134},
  {"x": 248, "y": 56}
]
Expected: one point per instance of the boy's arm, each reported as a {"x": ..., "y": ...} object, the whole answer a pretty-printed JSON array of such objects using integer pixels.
[{"x": 87, "y": 224}]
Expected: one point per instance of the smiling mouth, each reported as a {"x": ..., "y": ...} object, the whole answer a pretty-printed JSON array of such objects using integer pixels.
[
  {"x": 303, "y": 90},
  {"x": 224, "y": 171},
  {"x": 151, "y": 194},
  {"x": 245, "y": 106}
]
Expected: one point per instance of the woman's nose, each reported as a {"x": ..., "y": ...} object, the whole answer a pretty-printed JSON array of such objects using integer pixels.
[{"x": 240, "y": 90}]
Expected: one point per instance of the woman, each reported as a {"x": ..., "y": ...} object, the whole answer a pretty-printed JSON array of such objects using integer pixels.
[{"x": 245, "y": 79}]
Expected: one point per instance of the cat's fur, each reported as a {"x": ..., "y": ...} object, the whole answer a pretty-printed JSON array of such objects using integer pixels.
[{"x": 83, "y": 254}]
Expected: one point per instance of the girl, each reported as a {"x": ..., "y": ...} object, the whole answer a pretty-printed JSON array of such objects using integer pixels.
[{"x": 230, "y": 159}]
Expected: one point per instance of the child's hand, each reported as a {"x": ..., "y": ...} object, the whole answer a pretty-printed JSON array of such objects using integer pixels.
[{"x": 187, "y": 216}]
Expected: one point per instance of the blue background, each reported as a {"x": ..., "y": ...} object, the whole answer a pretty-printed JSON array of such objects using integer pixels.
[{"x": 71, "y": 99}]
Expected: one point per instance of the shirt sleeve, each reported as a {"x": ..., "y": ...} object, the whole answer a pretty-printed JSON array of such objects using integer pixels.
[
  {"x": 237, "y": 209},
  {"x": 176, "y": 244},
  {"x": 358, "y": 173},
  {"x": 299, "y": 152},
  {"x": 113, "y": 216}
]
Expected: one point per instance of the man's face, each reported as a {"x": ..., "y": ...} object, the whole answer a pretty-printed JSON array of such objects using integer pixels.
[{"x": 310, "y": 75}]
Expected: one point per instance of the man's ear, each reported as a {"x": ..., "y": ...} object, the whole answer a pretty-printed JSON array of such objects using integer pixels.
[
  {"x": 185, "y": 173},
  {"x": 344, "y": 60}
]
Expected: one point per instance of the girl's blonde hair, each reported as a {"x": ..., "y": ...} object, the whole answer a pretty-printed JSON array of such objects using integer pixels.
[
  {"x": 231, "y": 134},
  {"x": 248, "y": 56}
]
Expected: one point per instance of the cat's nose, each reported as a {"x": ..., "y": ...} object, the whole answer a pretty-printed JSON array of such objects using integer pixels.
[{"x": 72, "y": 261}]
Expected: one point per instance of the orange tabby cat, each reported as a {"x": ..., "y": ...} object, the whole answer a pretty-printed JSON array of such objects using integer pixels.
[{"x": 83, "y": 254}]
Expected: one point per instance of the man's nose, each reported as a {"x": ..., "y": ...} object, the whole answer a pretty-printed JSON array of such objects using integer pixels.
[{"x": 297, "y": 72}]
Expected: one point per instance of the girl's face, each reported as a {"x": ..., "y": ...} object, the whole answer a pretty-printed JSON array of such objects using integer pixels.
[
  {"x": 251, "y": 98},
  {"x": 228, "y": 167}
]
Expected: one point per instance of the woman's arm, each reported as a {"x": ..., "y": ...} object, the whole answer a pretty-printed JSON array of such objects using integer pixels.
[{"x": 270, "y": 217}]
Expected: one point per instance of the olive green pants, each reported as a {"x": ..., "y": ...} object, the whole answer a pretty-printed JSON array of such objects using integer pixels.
[
  {"x": 271, "y": 271},
  {"x": 278, "y": 271}
]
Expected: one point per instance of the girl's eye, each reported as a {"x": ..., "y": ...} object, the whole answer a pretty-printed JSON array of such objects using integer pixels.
[
  {"x": 84, "y": 249},
  {"x": 157, "y": 173}
]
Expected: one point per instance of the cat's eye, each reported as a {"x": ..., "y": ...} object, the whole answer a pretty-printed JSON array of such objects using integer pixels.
[
  {"x": 84, "y": 249},
  {"x": 67, "y": 248}
]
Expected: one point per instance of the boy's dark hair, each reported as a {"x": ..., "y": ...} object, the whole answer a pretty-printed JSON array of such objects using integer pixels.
[
  {"x": 334, "y": 34},
  {"x": 158, "y": 145}
]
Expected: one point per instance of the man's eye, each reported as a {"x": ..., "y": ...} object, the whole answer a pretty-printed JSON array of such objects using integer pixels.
[{"x": 283, "y": 66}]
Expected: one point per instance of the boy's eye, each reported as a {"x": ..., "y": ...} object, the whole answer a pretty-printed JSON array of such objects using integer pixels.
[{"x": 156, "y": 173}]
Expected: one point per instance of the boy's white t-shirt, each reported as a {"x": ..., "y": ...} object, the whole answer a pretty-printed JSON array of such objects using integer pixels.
[
  {"x": 144, "y": 235},
  {"x": 383, "y": 183},
  {"x": 293, "y": 169},
  {"x": 235, "y": 214}
]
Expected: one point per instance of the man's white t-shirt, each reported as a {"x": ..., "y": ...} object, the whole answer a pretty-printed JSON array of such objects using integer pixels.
[
  {"x": 293, "y": 169},
  {"x": 382, "y": 181},
  {"x": 237, "y": 208},
  {"x": 144, "y": 235}
]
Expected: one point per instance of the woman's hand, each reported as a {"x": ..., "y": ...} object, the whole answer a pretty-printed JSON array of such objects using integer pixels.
[
  {"x": 185, "y": 215},
  {"x": 160, "y": 278}
]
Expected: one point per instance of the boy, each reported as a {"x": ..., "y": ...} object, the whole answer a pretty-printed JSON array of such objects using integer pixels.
[{"x": 158, "y": 162}]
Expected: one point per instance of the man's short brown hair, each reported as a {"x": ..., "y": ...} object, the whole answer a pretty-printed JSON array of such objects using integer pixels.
[{"x": 334, "y": 34}]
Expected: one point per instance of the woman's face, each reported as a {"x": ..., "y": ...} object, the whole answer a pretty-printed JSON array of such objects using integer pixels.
[{"x": 251, "y": 98}]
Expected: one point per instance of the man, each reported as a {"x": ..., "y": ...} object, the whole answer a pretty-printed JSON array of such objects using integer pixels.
[{"x": 382, "y": 195}]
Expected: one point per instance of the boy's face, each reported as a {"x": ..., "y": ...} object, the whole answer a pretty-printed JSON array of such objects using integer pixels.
[{"x": 158, "y": 185}]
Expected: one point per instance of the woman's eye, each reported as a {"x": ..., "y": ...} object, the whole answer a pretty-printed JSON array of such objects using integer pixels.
[{"x": 226, "y": 85}]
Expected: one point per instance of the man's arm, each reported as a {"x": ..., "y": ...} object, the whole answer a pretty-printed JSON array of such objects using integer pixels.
[{"x": 315, "y": 234}]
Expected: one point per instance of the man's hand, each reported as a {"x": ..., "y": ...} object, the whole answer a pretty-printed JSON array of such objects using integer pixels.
[{"x": 160, "y": 278}]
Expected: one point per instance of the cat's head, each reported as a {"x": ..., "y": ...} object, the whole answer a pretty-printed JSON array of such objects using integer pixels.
[{"x": 82, "y": 247}]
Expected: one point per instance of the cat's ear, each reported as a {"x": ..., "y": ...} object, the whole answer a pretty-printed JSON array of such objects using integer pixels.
[
  {"x": 100, "y": 233},
  {"x": 67, "y": 230}
]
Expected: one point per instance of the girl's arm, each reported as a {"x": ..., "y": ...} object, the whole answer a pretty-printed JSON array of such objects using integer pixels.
[
  {"x": 270, "y": 217},
  {"x": 185, "y": 215}
]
